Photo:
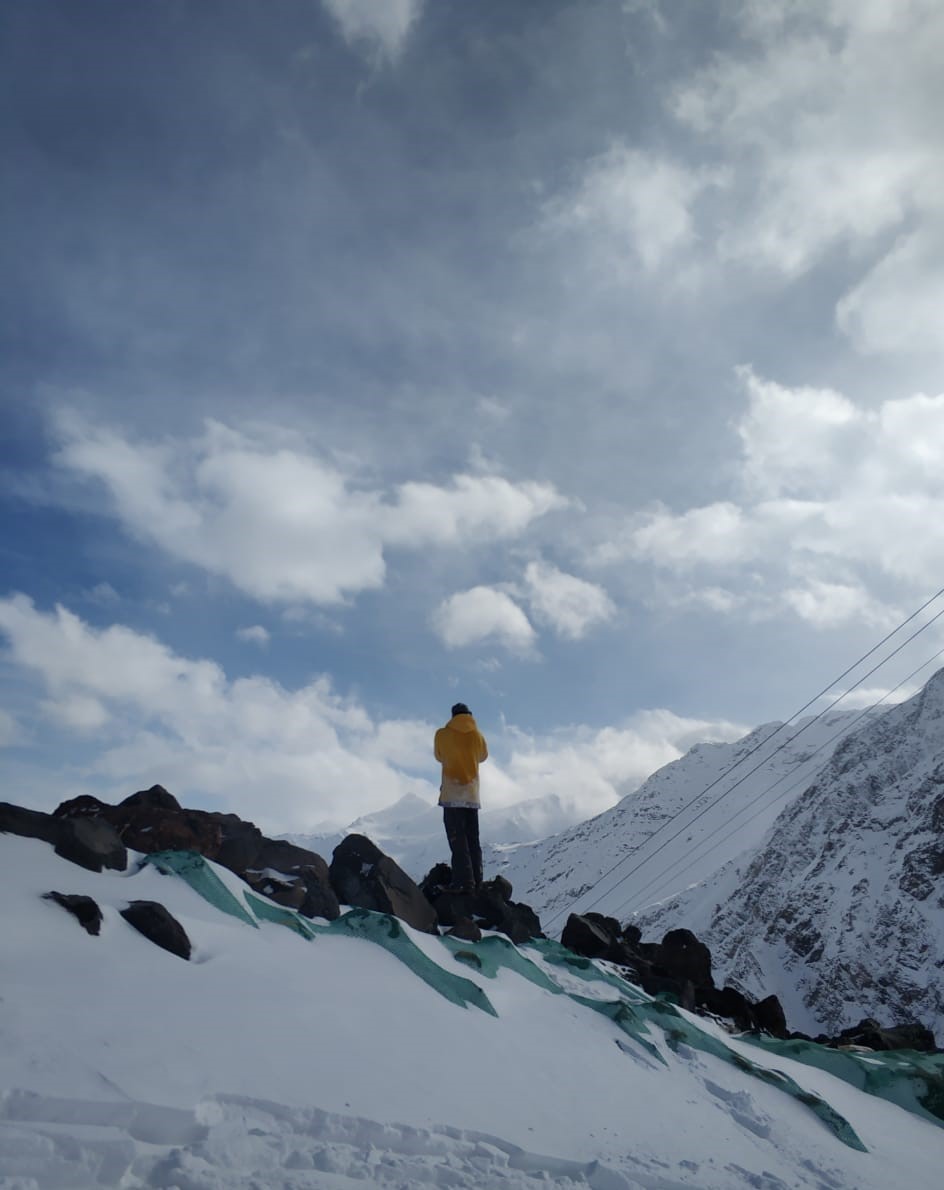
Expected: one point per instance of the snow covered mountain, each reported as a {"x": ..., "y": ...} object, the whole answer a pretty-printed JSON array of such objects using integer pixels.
[
  {"x": 730, "y": 815},
  {"x": 840, "y": 911},
  {"x": 411, "y": 831},
  {"x": 362, "y": 1053}
]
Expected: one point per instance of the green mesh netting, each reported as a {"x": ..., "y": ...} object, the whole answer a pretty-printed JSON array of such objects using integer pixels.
[
  {"x": 913, "y": 1081},
  {"x": 191, "y": 867}
]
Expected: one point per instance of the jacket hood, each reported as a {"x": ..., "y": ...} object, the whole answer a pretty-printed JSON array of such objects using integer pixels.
[{"x": 462, "y": 723}]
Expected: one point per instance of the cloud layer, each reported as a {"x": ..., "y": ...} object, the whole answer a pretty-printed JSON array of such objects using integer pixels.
[
  {"x": 282, "y": 522},
  {"x": 288, "y": 759},
  {"x": 830, "y": 496}
]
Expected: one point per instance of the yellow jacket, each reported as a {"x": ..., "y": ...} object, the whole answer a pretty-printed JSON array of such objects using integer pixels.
[{"x": 460, "y": 748}]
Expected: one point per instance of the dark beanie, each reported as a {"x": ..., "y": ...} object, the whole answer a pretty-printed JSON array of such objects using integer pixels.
[{"x": 460, "y": 709}]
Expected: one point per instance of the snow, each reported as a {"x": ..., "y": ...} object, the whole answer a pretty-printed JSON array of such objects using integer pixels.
[
  {"x": 271, "y": 1061},
  {"x": 838, "y": 909}
]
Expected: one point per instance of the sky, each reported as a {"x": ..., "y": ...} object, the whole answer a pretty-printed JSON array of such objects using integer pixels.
[{"x": 581, "y": 362}]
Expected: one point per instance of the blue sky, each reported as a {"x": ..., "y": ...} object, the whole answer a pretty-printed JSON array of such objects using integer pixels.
[{"x": 580, "y": 361}]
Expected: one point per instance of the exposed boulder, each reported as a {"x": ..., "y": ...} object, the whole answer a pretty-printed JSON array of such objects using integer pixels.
[
  {"x": 873, "y": 1036},
  {"x": 91, "y": 843},
  {"x": 466, "y": 929},
  {"x": 155, "y": 798},
  {"x": 362, "y": 875},
  {"x": 681, "y": 956},
  {"x": 159, "y": 926},
  {"x": 29, "y": 824},
  {"x": 153, "y": 820},
  {"x": 488, "y": 907},
  {"x": 83, "y": 909},
  {"x": 678, "y": 967}
]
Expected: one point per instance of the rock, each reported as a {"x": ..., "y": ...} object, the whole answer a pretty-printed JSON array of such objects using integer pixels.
[
  {"x": 729, "y": 1004},
  {"x": 870, "y": 1033},
  {"x": 92, "y": 843},
  {"x": 83, "y": 806},
  {"x": 82, "y": 908},
  {"x": 585, "y": 936},
  {"x": 29, "y": 824},
  {"x": 438, "y": 878},
  {"x": 466, "y": 929},
  {"x": 770, "y": 1016},
  {"x": 501, "y": 886},
  {"x": 490, "y": 911},
  {"x": 159, "y": 926},
  {"x": 362, "y": 875},
  {"x": 682, "y": 956},
  {"x": 240, "y": 843},
  {"x": 147, "y": 827},
  {"x": 155, "y": 798},
  {"x": 308, "y": 869}
]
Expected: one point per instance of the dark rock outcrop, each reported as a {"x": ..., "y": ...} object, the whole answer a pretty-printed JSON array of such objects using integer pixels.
[
  {"x": 489, "y": 906},
  {"x": 29, "y": 824},
  {"x": 159, "y": 926},
  {"x": 91, "y": 843},
  {"x": 873, "y": 1036},
  {"x": 154, "y": 820},
  {"x": 83, "y": 909},
  {"x": 362, "y": 875},
  {"x": 678, "y": 967}
]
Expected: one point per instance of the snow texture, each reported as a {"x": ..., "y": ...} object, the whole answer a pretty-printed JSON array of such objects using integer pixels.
[{"x": 272, "y": 1060}]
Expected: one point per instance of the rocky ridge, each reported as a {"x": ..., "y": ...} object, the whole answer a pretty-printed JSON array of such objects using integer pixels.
[{"x": 839, "y": 911}]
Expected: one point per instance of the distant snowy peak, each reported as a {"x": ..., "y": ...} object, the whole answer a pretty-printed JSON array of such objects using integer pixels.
[
  {"x": 699, "y": 812},
  {"x": 844, "y": 899}
]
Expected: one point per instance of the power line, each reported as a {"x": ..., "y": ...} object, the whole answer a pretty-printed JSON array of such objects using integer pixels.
[
  {"x": 560, "y": 913},
  {"x": 843, "y": 731},
  {"x": 741, "y": 780}
]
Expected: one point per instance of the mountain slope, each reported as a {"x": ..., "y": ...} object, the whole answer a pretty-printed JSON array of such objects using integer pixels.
[
  {"x": 271, "y": 1060},
  {"x": 839, "y": 912},
  {"x": 564, "y": 873}
]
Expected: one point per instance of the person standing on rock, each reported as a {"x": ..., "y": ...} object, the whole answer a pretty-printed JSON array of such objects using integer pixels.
[{"x": 460, "y": 748}]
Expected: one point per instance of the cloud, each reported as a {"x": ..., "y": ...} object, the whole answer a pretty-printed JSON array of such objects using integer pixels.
[
  {"x": 824, "y": 113},
  {"x": 282, "y": 523},
  {"x": 899, "y": 305},
  {"x": 570, "y": 605},
  {"x": 284, "y": 758},
  {"x": 383, "y": 25},
  {"x": 596, "y": 768},
  {"x": 483, "y": 614},
  {"x": 255, "y": 634},
  {"x": 10, "y": 731},
  {"x": 636, "y": 208},
  {"x": 287, "y": 759},
  {"x": 829, "y": 494}
]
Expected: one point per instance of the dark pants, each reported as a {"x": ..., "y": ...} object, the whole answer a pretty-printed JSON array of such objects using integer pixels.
[{"x": 462, "y": 831}]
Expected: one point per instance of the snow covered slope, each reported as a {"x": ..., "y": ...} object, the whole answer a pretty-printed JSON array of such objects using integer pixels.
[
  {"x": 840, "y": 912},
  {"x": 273, "y": 1061},
  {"x": 561, "y": 874}
]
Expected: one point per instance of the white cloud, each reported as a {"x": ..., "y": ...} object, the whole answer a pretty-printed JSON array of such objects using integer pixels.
[
  {"x": 10, "y": 731},
  {"x": 483, "y": 614},
  {"x": 383, "y": 24},
  {"x": 283, "y": 758},
  {"x": 254, "y": 634},
  {"x": 899, "y": 305},
  {"x": 570, "y": 605},
  {"x": 635, "y": 206},
  {"x": 830, "y": 494},
  {"x": 280, "y": 522},
  {"x": 288, "y": 759},
  {"x": 598, "y": 767},
  {"x": 826, "y": 113}
]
